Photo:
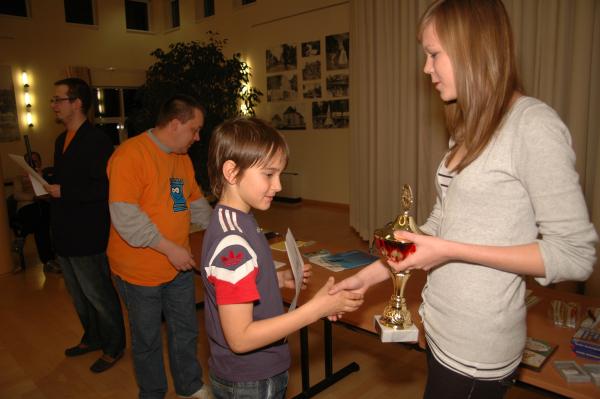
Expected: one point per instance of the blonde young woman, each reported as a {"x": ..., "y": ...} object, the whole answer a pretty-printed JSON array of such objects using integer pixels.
[{"x": 508, "y": 205}]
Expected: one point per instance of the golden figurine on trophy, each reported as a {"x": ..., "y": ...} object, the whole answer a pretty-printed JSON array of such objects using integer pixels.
[{"x": 395, "y": 325}]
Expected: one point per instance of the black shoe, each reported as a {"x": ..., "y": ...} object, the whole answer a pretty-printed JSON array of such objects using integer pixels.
[
  {"x": 80, "y": 349},
  {"x": 105, "y": 362},
  {"x": 52, "y": 266},
  {"x": 17, "y": 269}
]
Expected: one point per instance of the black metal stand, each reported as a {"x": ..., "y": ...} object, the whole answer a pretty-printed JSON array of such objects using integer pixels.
[{"x": 330, "y": 377}]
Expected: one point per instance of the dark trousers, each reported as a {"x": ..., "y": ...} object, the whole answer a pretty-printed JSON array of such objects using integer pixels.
[
  {"x": 35, "y": 218},
  {"x": 269, "y": 388},
  {"x": 175, "y": 300},
  {"x": 88, "y": 281},
  {"x": 445, "y": 383}
]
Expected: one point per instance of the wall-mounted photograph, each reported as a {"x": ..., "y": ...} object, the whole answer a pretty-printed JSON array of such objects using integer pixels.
[
  {"x": 311, "y": 90},
  {"x": 282, "y": 87},
  {"x": 281, "y": 58},
  {"x": 311, "y": 70},
  {"x": 289, "y": 116},
  {"x": 337, "y": 50},
  {"x": 337, "y": 85},
  {"x": 311, "y": 48},
  {"x": 330, "y": 114},
  {"x": 9, "y": 122}
]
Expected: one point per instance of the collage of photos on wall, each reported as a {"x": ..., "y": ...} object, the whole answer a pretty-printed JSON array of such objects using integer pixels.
[
  {"x": 308, "y": 84},
  {"x": 9, "y": 123}
]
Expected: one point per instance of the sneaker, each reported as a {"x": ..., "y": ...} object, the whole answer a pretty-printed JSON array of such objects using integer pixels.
[
  {"x": 202, "y": 393},
  {"x": 52, "y": 266}
]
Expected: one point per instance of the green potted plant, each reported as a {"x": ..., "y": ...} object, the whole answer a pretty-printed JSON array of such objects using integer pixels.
[{"x": 202, "y": 71}]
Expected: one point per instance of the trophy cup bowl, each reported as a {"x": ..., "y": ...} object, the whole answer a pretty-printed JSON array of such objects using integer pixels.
[
  {"x": 395, "y": 314},
  {"x": 395, "y": 324},
  {"x": 392, "y": 249}
]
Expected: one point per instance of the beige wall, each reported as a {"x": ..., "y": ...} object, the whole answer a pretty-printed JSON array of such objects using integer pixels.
[
  {"x": 44, "y": 45},
  {"x": 319, "y": 156}
]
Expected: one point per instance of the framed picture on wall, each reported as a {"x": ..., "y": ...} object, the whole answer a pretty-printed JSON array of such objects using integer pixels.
[
  {"x": 9, "y": 121},
  {"x": 337, "y": 50},
  {"x": 330, "y": 114},
  {"x": 289, "y": 116},
  {"x": 311, "y": 90},
  {"x": 337, "y": 85},
  {"x": 311, "y": 70},
  {"x": 281, "y": 58},
  {"x": 310, "y": 49},
  {"x": 282, "y": 87}
]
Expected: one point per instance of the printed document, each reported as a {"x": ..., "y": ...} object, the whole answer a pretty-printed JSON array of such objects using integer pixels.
[
  {"x": 37, "y": 181},
  {"x": 297, "y": 265}
]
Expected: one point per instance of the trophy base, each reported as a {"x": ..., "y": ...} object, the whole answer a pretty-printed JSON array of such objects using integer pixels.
[{"x": 388, "y": 334}]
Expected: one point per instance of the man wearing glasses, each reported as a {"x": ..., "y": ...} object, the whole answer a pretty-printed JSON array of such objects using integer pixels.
[{"x": 80, "y": 223}]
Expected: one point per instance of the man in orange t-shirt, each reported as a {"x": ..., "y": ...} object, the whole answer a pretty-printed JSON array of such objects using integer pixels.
[{"x": 153, "y": 196}]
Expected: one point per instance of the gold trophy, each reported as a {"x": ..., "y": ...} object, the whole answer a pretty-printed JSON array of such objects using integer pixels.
[{"x": 395, "y": 325}]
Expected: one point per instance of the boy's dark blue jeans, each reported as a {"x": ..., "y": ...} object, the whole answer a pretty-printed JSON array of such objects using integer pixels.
[
  {"x": 270, "y": 388},
  {"x": 145, "y": 305}
]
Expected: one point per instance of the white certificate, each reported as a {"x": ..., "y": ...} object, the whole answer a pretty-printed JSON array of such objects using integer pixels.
[
  {"x": 297, "y": 265},
  {"x": 37, "y": 181}
]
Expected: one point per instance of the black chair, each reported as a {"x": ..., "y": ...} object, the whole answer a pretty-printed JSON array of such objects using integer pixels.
[{"x": 18, "y": 245}]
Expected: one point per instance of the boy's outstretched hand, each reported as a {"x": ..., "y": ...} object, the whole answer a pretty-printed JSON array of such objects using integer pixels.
[
  {"x": 352, "y": 284},
  {"x": 285, "y": 278},
  {"x": 338, "y": 303}
]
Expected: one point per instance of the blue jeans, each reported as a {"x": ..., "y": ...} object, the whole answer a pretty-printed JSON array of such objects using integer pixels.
[
  {"x": 270, "y": 388},
  {"x": 145, "y": 305},
  {"x": 88, "y": 281}
]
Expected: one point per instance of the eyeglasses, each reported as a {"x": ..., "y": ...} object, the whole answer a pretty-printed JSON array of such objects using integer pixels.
[{"x": 54, "y": 100}]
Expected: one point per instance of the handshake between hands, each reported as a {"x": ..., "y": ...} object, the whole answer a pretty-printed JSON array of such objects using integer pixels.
[
  {"x": 331, "y": 300},
  {"x": 432, "y": 252}
]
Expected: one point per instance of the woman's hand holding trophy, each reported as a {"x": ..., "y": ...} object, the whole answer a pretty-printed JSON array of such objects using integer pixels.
[{"x": 395, "y": 242}]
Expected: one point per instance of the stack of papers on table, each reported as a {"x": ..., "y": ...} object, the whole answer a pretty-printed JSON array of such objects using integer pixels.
[
  {"x": 343, "y": 260},
  {"x": 536, "y": 352},
  {"x": 280, "y": 245},
  {"x": 586, "y": 340}
]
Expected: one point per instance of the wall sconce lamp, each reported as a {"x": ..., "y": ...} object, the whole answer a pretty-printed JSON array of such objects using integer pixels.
[
  {"x": 27, "y": 99},
  {"x": 99, "y": 96}
]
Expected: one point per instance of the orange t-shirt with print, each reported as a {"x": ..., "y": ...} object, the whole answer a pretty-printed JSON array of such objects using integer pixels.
[{"x": 162, "y": 185}]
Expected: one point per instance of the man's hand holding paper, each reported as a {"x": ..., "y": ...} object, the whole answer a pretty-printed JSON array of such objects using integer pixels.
[
  {"x": 37, "y": 181},
  {"x": 53, "y": 190}
]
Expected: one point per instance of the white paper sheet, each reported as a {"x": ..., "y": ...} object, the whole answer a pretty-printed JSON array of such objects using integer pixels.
[
  {"x": 279, "y": 264},
  {"x": 297, "y": 265},
  {"x": 38, "y": 187},
  {"x": 37, "y": 181}
]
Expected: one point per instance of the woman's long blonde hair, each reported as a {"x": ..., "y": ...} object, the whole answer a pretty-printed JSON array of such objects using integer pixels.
[{"x": 477, "y": 36}]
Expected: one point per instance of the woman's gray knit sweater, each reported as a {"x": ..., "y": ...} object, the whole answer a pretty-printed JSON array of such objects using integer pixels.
[{"x": 522, "y": 188}]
